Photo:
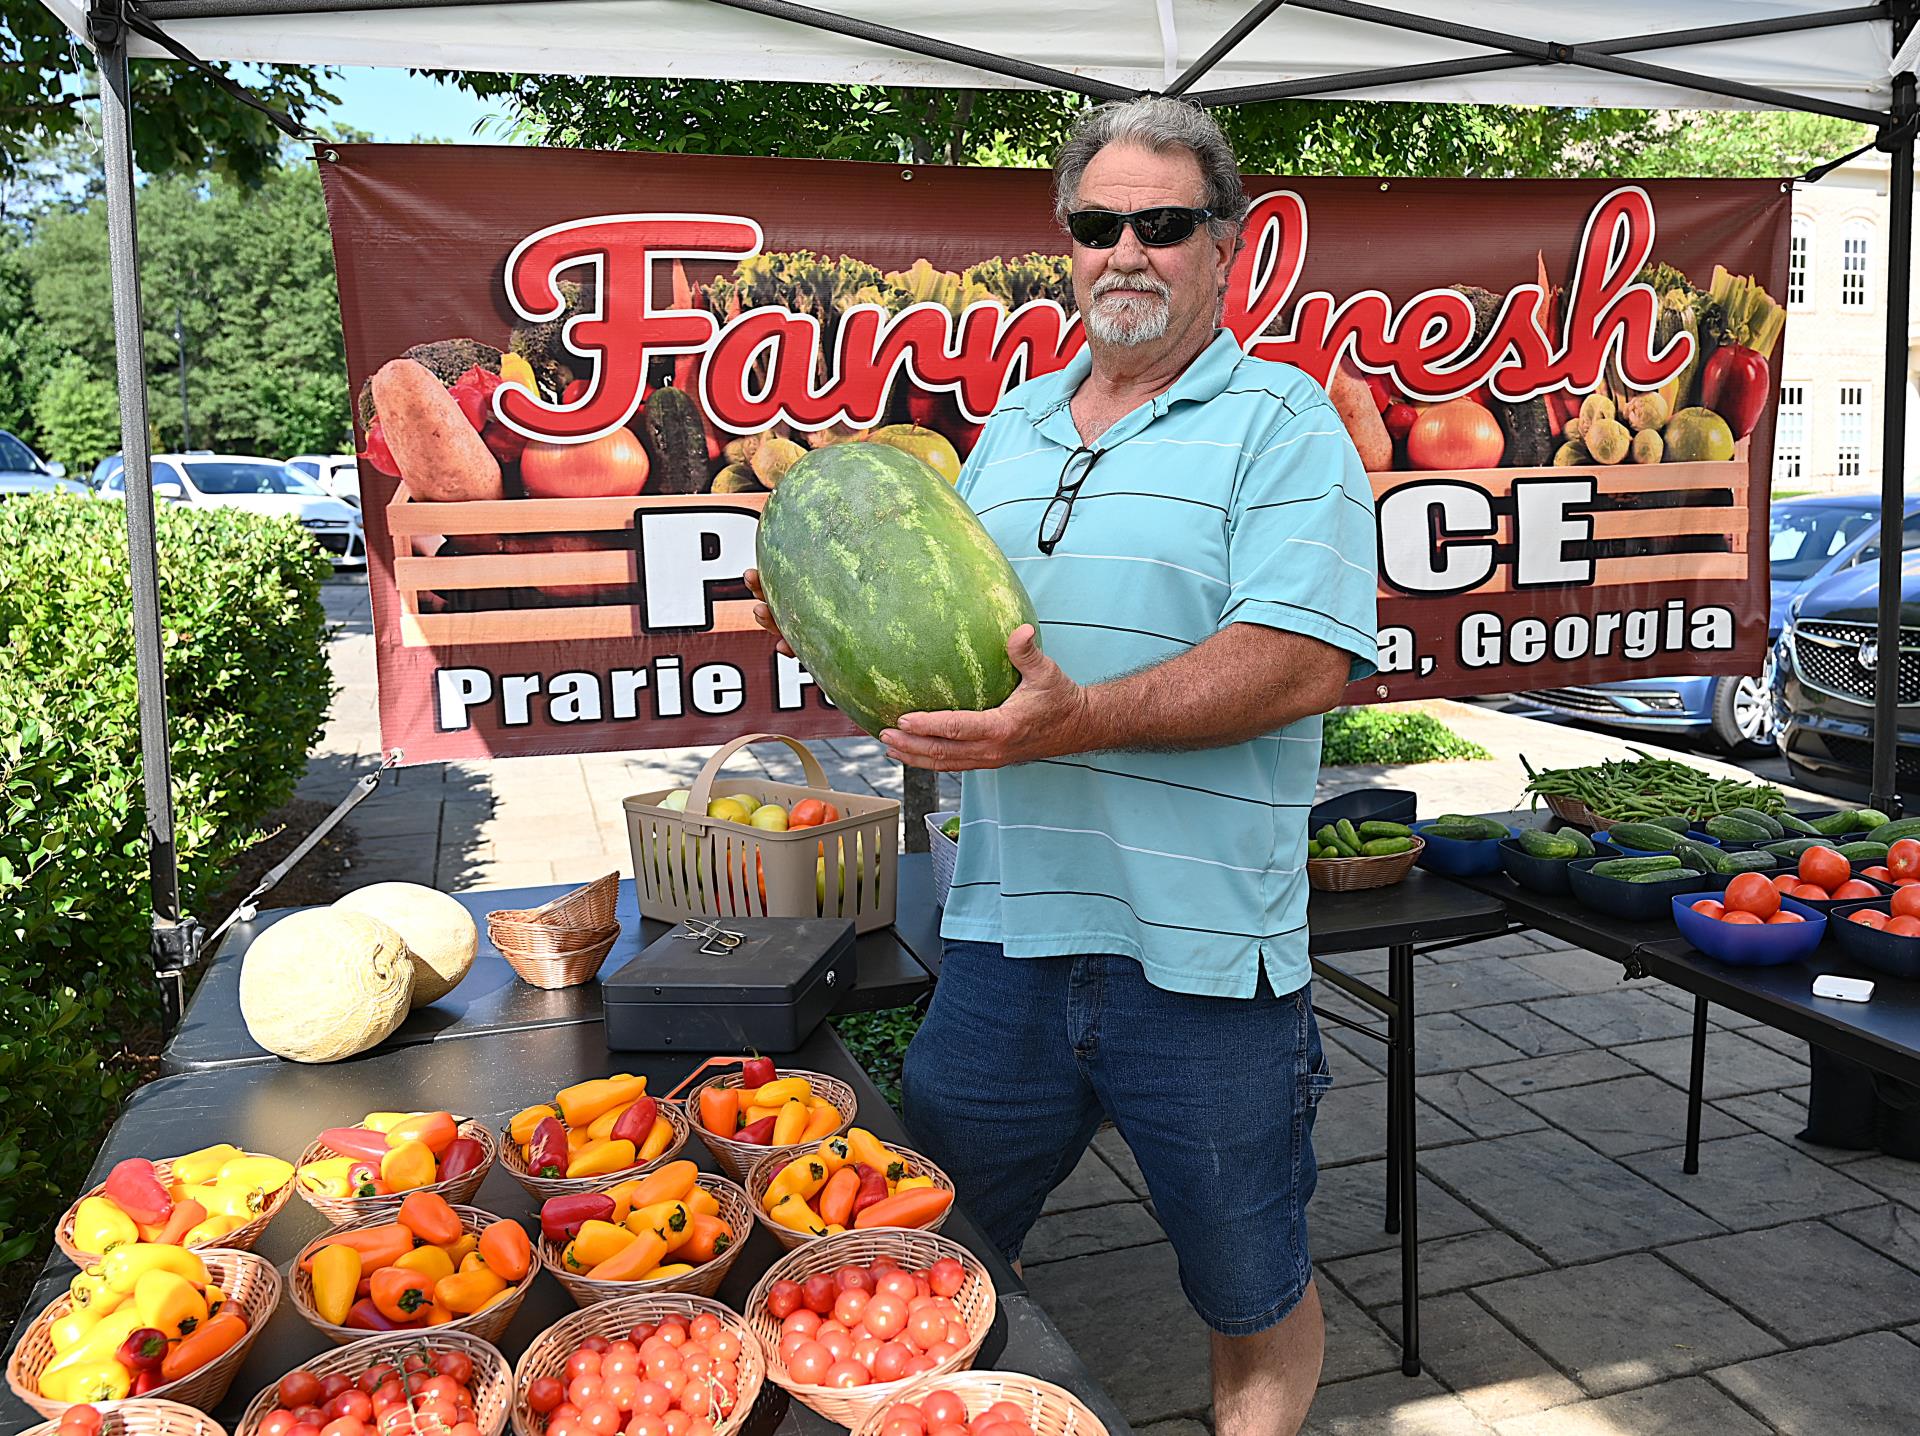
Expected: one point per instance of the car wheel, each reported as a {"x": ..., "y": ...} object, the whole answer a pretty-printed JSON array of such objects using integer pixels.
[{"x": 1742, "y": 714}]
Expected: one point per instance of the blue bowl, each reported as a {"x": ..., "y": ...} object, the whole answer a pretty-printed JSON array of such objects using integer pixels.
[
  {"x": 1634, "y": 902},
  {"x": 1886, "y": 952},
  {"x": 1611, "y": 841},
  {"x": 1750, "y": 944},
  {"x": 1460, "y": 857},
  {"x": 1543, "y": 875}
]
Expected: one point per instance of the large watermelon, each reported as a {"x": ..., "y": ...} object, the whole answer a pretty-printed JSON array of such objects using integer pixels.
[{"x": 887, "y": 587}]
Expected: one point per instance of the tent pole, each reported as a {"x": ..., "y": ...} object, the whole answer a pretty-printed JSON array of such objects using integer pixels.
[
  {"x": 174, "y": 938},
  {"x": 1893, "y": 452}
]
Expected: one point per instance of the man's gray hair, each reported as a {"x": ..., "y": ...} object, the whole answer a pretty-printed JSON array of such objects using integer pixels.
[{"x": 1159, "y": 123}]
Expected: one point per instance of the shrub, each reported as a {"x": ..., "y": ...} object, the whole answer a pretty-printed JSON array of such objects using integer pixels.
[
  {"x": 1391, "y": 735},
  {"x": 247, "y": 688}
]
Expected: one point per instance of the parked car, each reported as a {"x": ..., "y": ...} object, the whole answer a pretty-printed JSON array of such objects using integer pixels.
[
  {"x": 338, "y": 474},
  {"x": 1812, "y": 539},
  {"x": 1823, "y": 672},
  {"x": 262, "y": 486},
  {"x": 24, "y": 472}
]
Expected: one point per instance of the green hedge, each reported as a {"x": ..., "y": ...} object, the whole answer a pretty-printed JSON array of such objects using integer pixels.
[
  {"x": 248, "y": 688},
  {"x": 1390, "y": 735}
]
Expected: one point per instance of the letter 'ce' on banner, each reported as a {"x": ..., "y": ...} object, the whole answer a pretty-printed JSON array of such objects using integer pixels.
[{"x": 1564, "y": 392}]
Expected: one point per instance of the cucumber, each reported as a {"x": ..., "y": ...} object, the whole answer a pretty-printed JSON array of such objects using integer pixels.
[
  {"x": 1862, "y": 851},
  {"x": 1891, "y": 833},
  {"x": 1648, "y": 837},
  {"x": 1385, "y": 847},
  {"x": 1736, "y": 830},
  {"x": 1349, "y": 837},
  {"x": 1867, "y": 819},
  {"x": 1657, "y": 877},
  {"x": 1760, "y": 820},
  {"x": 1832, "y": 825},
  {"x": 1756, "y": 860},
  {"x": 1381, "y": 829},
  {"x": 1579, "y": 840},
  {"x": 1679, "y": 822},
  {"x": 1325, "y": 837},
  {"x": 1798, "y": 827},
  {"x": 1698, "y": 856},
  {"x": 1463, "y": 828},
  {"x": 1633, "y": 867},
  {"x": 1538, "y": 843}
]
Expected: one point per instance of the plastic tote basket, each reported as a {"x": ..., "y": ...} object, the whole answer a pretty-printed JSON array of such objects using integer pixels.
[
  {"x": 945, "y": 852},
  {"x": 686, "y": 864}
]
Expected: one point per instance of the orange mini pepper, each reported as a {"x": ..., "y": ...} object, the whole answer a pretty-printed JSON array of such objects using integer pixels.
[
  {"x": 836, "y": 1198},
  {"x": 438, "y": 1315},
  {"x": 670, "y": 1183},
  {"x": 596, "y": 1159},
  {"x": 622, "y": 1196},
  {"x": 209, "y": 1343},
  {"x": 631, "y": 1262},
  {"x": 336, "y": 1278},
  {"x": 409, "y": 1165},
  {"x": 707, "y": 1238},
  {"x": 582, "y": 1102},
  {"x": 701, "y": 1202},
  {"x": 523, "y": 1123},
  {"x": 466, "y": 1292},
  {"x": 659, "y": 1138},
  {"x": 428, "y": 1216},
  {"x": 720, "y": 1110},
  {"x": 506, "y": 1251},
  {"x": 820, "y": 1121},
  {"x": 400, "y": 1294},
  {"x": 378, "y": 1246},
  {"x": 433, "y": 1130}
]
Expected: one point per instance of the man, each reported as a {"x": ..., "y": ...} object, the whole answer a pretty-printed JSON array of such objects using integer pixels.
[{"x": 1126, "y": 935}]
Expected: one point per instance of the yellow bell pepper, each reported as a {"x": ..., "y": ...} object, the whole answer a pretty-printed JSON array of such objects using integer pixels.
[
  {"x": 328, "y": 1176},
  {"x": 101, "y": 1340},
  {"x": 216, "y": 1299},
  {"x": 69, "y": 1329},
  {"x": 473, "y": 1261},
  {"x": 661, "y": 1273},
  {"x": 582, "y": 1102},
  {"x": 909, "y": 1184},
  {"x": 523, "y": 1123},
  {"x": 785, "y": 1090},
  {"x": 595, "y": 1242},
  {"x": 266, "y": 1174},
  {"x": 211, "y": 1230},
  {"x": 834, "y": 1229},
  {"x": 336, "y": 1278},
  {"x": 577, "y": 1138},
  {"x": 670, "y": 1221},
  {"x": 230, "y": 1199},
  {"x": 459, "y": 1251},
  {"x": 703, "y": 1203},
  {"x": 803, "y": 1177},
  {"x": 205, "y": 1164},
  {"x": 469, "y": 1291},
  {"x": 793, "y": 1212},
  {"x": 867, "y": 1148},
  {"x": 125, "y": 1267},
  {"x": 385, "y": 1121},
  {"x": 431, "y": 1262},
  {"x": 407, "y": 1166},
  {"x": 170, "y": 1304},
  {"x": 599, "y": 1158},
  {"x": 88, "y": 1291},
  {"x": 99, "y": 1226},
  {"x": 92, "y": 1381},
  {"x": 791, "y": 1125}
]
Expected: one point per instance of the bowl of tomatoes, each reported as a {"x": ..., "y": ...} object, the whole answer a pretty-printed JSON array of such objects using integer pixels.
[
  {"x": 1822, "y": 878},
  {"x": 1883, "y": 935},
  {"x": 1751, "y": 924}
]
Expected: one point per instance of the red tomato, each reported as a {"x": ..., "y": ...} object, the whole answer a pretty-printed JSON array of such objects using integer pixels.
[
  {"x": 1707, "y": 907},
  {"x": 849, "y": 1307},
  {"x": 1903, "y": 858},
  {"x": 83, "y": 1418},
  {"x": 885, "y": 1316},
  {"x": 647, "y": 1425},
  {"x": 838, "y": 1342},
  {"x": 1905, "y": 882},
  {"x": 947, "y": 1428},
  {"x": 301, "y": 1388},
  {"x": 345, "y": 1426},
  {"x": 1807, "y": 892},
  {"x": 1906, "y": 902},
  {"x": 809, "y": 1365},
  {"x": 846, "y": 1374},
  {"x": 925, "y": 1328},
  {"x": 806, "y": 1322},
  {"x": 791, "y": 1343},
  {"x": 1876, "y": 871},
  {"x": 1787, "y": 882},
  {"x": 725, "y": 1347},
  {"x": 1741, "y": 915},
  {"x": 602, "y": 1418},
  {"x": 374, "y": 1377},
  {"x": 639, "y": 1334},
  {"x": 652, "y": 1398},
  {"x": 1785, "y": 916},
  {"x": 1903, "y": 926},
  {"x": 1459, "y": 434},
  {"x": 620, "y": 1390},
  {"x": 1824, "y": 868},
  {"x": 1853, "y": 889},
  {"x": 890, "y": 1361},
  {"x": 584, "y": 1389},
  {"x": 277, "y": 1423},
  {"x": 853, "y": 1278},
  {"x": 456, "y": 1364},
  {"x": 942, "y": 1407},
  {"x": 1751, "y": 893},
  {"x": 703, "y": 1326},
  {"x": 820, "y": 1290},
  {"x": 332, "y": 1386},
  {"x": 1007, "y": 1411},
  {"x": 898, "y": 1284},
  {"x": 354, "y": 1403},
  {"x": 544, "y": 1393},
  {"x": 946, "y": 1277},
  {"x": 583, "y": 1363},
  {"x": 907, "y": 1412},
  {"x": 866, "y": 1349},
  {"x": 1870, "y": 917}
]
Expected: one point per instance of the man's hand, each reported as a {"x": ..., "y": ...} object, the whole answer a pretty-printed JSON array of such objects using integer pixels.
[
  {"x": 1047, "y": 715},
  {"x": 763, "y": 615}
]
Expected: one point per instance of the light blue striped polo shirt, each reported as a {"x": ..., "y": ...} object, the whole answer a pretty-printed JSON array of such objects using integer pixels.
[{"x": 1234, "y": 497}]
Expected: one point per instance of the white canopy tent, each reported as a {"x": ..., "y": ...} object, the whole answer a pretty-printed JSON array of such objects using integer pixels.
[{"x": 1847, "y": 60}]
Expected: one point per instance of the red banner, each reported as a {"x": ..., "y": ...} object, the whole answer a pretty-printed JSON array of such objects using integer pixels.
[{"x": 1564, "y": 392}]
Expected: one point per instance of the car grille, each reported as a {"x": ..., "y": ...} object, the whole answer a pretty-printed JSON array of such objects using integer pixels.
[
  {"x": 1856, "y": 753},
  {"x": 1827, "y": 657},
  {"x": 1572, "y": 700},
  {"x": 334, "y": 542}
]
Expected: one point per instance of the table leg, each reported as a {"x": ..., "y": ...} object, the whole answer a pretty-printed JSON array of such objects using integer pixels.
[
  {"x": 1400, "y": 960},
  {"x": 1696, "y": 1081},
  {"x": 1393, "y": 1125}
]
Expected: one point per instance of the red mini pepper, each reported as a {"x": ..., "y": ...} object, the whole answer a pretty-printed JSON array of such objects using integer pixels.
[
  {"x": 562, "y": 1217},
  {"x": 636, "y": 1123},
  {"x": 756, "y": 1072},
  {"x": 145, "y": 1381},
  {"x": 363, "y": 1180},
  {"x": 361, "y": 1142},
  {"x": 760, "y": 1133},
  {"x": 135, "y": 1188},
  {"x": 462, "y": 1156},
  {"x": 365, "y": 1316},
  {"x": 547, "y": 1149},
  {"x": 873, "y": 1188},
  {"x": 143, "y": 1350}
]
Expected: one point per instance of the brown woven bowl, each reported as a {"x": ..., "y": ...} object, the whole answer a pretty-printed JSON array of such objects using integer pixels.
[
  {"x": 143, "y": 1416},
  {"x": 1051, "y": 1410},
  {"x": 912, "y": 1250},
  {"x": 771, "y": 1165},
  {"x": 591, "y": 905},
  {"x": 735, "y": 1211},
  {"x": 488, "y": 1325},
  {"x": 738, "y": 1158},
  {"x": 239, "y": 1239},
  {"x": 1572, "y": 810},
  {"x": 342, "y": 1210},
  {"x": 1345, "y": 875},
  {"x": 492, "y": 1377},
  {"x": 540, "y": 1188},
  {"x": 547, "y": 1354},
  {"x": 252, "y": 1287}
]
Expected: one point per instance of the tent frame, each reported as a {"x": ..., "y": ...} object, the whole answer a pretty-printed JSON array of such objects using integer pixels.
[{"x": 176, "y": 937}]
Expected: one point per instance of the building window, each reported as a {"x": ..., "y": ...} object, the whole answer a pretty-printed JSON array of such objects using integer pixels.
[
  {"x": 1799, "y": 243},
  {"x": 1790, "y": 435},
  {"x": 1854, "y": 244},
  {"x": 1852, "y": 430}
]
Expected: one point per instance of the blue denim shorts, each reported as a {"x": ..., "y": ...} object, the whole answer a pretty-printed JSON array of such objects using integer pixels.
[{"x": 1019, "y": 1059}]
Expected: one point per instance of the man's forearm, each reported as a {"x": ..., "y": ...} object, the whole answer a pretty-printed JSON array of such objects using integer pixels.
[{"x": 1244, "y": 681}]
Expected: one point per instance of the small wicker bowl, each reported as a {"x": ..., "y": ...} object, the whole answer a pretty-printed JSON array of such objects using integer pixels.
[
  {"x": 1346, "y": 875},
  {"x": 143, "y": 1416},
  {"x": 850, "y": 1406},
  {"x": 540, "y": 1188},
  {"x": 771, "y": 1165},
  {"x": 488, "y": 1325},
  {"x": 253, "y": 1290},
  {"x": 492, "y": 1377},
  {"x": 1051, "y": 1410},
  {"x": 239, "y": 1239},
  {"x": 1572, "y": 810},
  {"x": 547, "y": 1354},
  {"x": 344, "y": 1210},
  {"x": 562, "y": 943},
  {"x": 739, "y": 1158},
  {"x": 735, "y": 1210}
]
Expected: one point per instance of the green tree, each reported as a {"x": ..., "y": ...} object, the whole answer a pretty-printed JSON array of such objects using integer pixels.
[{"x": 77, "y": 417}]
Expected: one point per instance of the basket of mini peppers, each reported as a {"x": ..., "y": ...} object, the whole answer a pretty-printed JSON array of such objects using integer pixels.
[
  {"x": 591, "y": 1136},
  {"x": 148, "y": 1320},
  {"x": 743, "y": 1115},
  {"x": 847, "y": 1183},
  {"x": 218, "y": 1196},
  {"x": 676, "y": 1229},
  {"x": 348, "y": 1174},
  {"x": 432, "y": 1264}
]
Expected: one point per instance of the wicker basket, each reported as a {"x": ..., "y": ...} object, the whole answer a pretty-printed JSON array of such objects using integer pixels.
[
  {"x": 912, "y": 1250},
  {"x": 547, "y": 1354},
  {"x": 540, "y": 1188},
  {"x": 686, "y": 864},
  {"x": 342, "y": 1210},
  {"x": 1051, "y": 1410},
  {"x": 586, "y": 908},
  {"x": 735, "y": 1210},
  {"x": 239, "y": 1239},
  {"x": 770, "y": 1166},
  {"x": 253, "y": 1289},
  {"x": 488, "y": 1325},
  {"x": 1572, "y": 810},
  {"x": 561, "y": 943},
  {"x": 143, "y": 1416},
  {"x": 492, "y": 1377},
  {"x": 739, "y": 1158},
  {"x": 1346, "y": 875}
]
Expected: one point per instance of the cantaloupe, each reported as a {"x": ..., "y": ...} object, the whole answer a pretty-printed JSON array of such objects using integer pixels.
[
  {"x": 324, "y": 984},
  {"x": 438, "y": 932}
]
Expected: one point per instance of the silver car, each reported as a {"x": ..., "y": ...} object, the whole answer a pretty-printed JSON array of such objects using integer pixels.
[{"x": 24, "y": 472}]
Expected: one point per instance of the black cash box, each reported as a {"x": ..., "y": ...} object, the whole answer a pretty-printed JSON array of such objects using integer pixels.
[{"x": 766, "y": 994}]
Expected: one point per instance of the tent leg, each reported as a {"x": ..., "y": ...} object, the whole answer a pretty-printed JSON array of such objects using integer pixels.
[
  {"x": 1893, "y": 455},
  {"x": 175, "y": 939}
]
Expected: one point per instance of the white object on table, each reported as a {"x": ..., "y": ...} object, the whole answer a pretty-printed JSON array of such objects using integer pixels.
[{"x": 1847, "y": 989}]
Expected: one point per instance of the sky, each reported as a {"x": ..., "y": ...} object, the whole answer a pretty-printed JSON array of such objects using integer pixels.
[{"x": 394, "y": 105}]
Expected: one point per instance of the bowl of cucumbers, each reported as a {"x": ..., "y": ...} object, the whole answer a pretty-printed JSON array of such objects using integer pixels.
[
  {"x": 1537, "y": 859},
  {"x": 1640, "y": 889},
  {"x": 1462, "y": 846},
  {"x": 1346, "y": 856}
]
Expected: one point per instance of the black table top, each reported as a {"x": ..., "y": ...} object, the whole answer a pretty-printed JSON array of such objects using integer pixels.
[
  {"x": 277, "y": 1106},
  {"x": 492, "y": 999}
]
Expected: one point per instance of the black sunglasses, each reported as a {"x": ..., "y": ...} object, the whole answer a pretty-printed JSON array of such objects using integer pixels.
[
  {"x": 1157, "y": 228},
  {"x": 1053, "y": 523}
]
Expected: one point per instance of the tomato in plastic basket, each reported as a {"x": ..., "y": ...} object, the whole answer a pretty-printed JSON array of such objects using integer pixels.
[
  {"x": 1853, "y": 889},
  {"x": 1787, "y": 882},
  {"x": 1753, "y": 894},
  {"x": 1870, "y": 917},
  {"x": 1785, "y": 916},
  {"x": 1903, "y": 858},
  {"x": 1808, "y": 892},
  {"x": 1903, "y": 926},
  {"x": 1735, "y": 914},
  {"x": 1707, "y": 907},
  {"x": 1906, "y": 902},
  {"x": 1824, "y": 868}
]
